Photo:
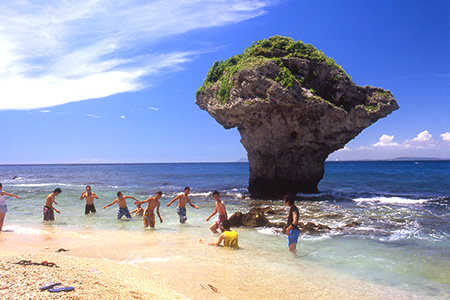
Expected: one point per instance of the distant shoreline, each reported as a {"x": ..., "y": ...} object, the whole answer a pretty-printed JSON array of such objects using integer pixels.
[{"x": 399, "y": 159}]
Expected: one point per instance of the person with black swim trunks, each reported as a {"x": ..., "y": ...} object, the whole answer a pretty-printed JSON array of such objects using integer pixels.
[{"x": 89, "y": 195}]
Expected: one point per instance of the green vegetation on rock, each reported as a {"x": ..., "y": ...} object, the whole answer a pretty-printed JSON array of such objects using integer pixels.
[
  {"x": 371, "y": 107},
  {"x": 259, "y": 53}
]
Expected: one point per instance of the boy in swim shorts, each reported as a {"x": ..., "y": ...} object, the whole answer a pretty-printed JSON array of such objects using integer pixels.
[
  {"x": 123, "y": 209},
  {"x": 182, "y": 200},
  {"x": 89, "y": 195},
  {"x": 48, "y": 208},
  {"x": 220, "y": 208},
  {"x": 292, "y": 230},
  {"x": 149, "y": 215}
]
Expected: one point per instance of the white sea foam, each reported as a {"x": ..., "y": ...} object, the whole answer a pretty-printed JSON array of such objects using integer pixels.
[
  {"x": 200, "y": 194},
  {"x": 307, "y": 237},
  {"x": 21, "y": 230},
  {"x": 41, "y": 184},
  {"x": 399, "y": 235},
  {"x": 392, "y": 200},
  {"x": 269, "y": 231}
]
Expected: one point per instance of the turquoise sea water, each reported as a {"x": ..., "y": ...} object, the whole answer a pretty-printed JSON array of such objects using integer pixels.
[{"x": 403, "y": 208}]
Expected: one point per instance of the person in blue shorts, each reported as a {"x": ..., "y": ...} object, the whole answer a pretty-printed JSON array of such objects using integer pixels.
[
  {"x": 123, "y": 209},
  {"x": 183, "y": 199},
  {"x": 292, "y": 230}
]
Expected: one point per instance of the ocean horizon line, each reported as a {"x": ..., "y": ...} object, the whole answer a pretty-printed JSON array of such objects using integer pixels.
[{"x": 398, "y": 159}]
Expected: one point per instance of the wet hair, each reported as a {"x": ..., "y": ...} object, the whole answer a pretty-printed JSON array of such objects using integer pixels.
[
  {"x": 159, "y": 193},
  {"x": 118, "y": 193},
  {"x": 1, "y": 185},
  {"x": 215, "y": 193},
  {"x": 289, "y": 198},
  {"x": 88, "y": 186},
  {"x": 226, "y": 224},
  {"x": 57, "y": 190},
  {"x": 187, "y": 188}
]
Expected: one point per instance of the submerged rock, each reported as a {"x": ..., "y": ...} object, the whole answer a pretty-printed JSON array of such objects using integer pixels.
[{"x": 293, "y": 107}]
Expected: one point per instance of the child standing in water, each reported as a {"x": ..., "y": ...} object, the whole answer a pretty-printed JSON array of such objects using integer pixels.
[
  {"x": 121, "y": 201},
  {"x": 89, "y": 195},
  {"x": 49, "y": 215},
  {"x": 292, "y": 230},
  {"x": 3, "y": 208},
  {"x": 182, "y": 200},
  {"x": 220, "y": 208}
]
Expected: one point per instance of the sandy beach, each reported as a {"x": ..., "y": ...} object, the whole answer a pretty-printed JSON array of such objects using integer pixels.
[
  {"x": 96, "y": 267},
  {"x": 91, "y": 278}
]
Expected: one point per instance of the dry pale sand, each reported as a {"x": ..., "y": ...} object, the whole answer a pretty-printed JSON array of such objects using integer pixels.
[{"x": 91, "y": 278}]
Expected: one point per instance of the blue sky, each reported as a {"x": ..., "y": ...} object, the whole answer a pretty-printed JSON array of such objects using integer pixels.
[{"x": 115, "y": 81}]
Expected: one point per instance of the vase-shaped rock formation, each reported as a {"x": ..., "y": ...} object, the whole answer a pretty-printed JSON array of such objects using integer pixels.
[{"x": 293, "y": 107}]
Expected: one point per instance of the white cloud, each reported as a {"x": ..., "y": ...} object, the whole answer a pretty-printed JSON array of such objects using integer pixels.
[
  {"x": 385, "y": 141},
  {"x": 423, "y": 145},
  {"x": 153, "y": 108},
  {"x": 423, "y": 137},
  {"x": 364, "y": 148},
  {"x": 55, "y": 52},
  {"x": 422, "y": 141},
  {"x": 344, "y": 149},
  {"x": 122, "y": 117},
  {"x": 44, "y": 111},
  {"x": 93, "y": 116},
  {"x": 446, "y": 137}
]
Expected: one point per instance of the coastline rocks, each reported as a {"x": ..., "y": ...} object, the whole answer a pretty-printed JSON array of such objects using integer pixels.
[
  {"x": 256, "y": 217},
  {"x": 292, "y": 113}
]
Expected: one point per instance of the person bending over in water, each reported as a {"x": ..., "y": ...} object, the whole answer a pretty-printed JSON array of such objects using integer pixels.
[
  {"x": 229, "y": 237},
  {"x": 182, "y": 200},
  {"x": 292, "y": 230},
  {"x": 149, "y": 214},
  {"x": 49, "y": 215},
  {"x": 89, "y": 195},
  {"x": 121, "y": 201},
  {"x": 220, "y": 208},
  {"x": 138, "y": 211},
  {"x": 3, "y": 208}
]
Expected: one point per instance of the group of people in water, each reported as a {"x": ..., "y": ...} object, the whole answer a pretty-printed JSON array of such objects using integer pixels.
[{"x": 228, "y": 236}]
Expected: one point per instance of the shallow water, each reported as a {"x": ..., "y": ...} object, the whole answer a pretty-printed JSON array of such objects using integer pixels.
[{"x": 402, "y": 242}]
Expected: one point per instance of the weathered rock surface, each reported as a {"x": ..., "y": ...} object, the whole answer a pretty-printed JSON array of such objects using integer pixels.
[
  {"x": 256, "y": 217},
  {"x": 289, "y": 132}
]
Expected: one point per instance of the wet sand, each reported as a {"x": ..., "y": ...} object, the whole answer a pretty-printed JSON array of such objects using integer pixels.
[{"x": 158, "y": 265}]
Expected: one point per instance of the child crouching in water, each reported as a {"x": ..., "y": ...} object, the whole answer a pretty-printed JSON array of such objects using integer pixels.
[{"x": 229, "y": 237}]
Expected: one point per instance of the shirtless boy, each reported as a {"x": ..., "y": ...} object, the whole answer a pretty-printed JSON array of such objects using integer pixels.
[
  {"x": 149, "y": 214},
  {"x": 89, "y": 195},
  {"x": 121, "y": 201},
  {"x": 182, "y": 200},
  {"x": 220, "y": 208},
  {"x": 49, "y": 215}
]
